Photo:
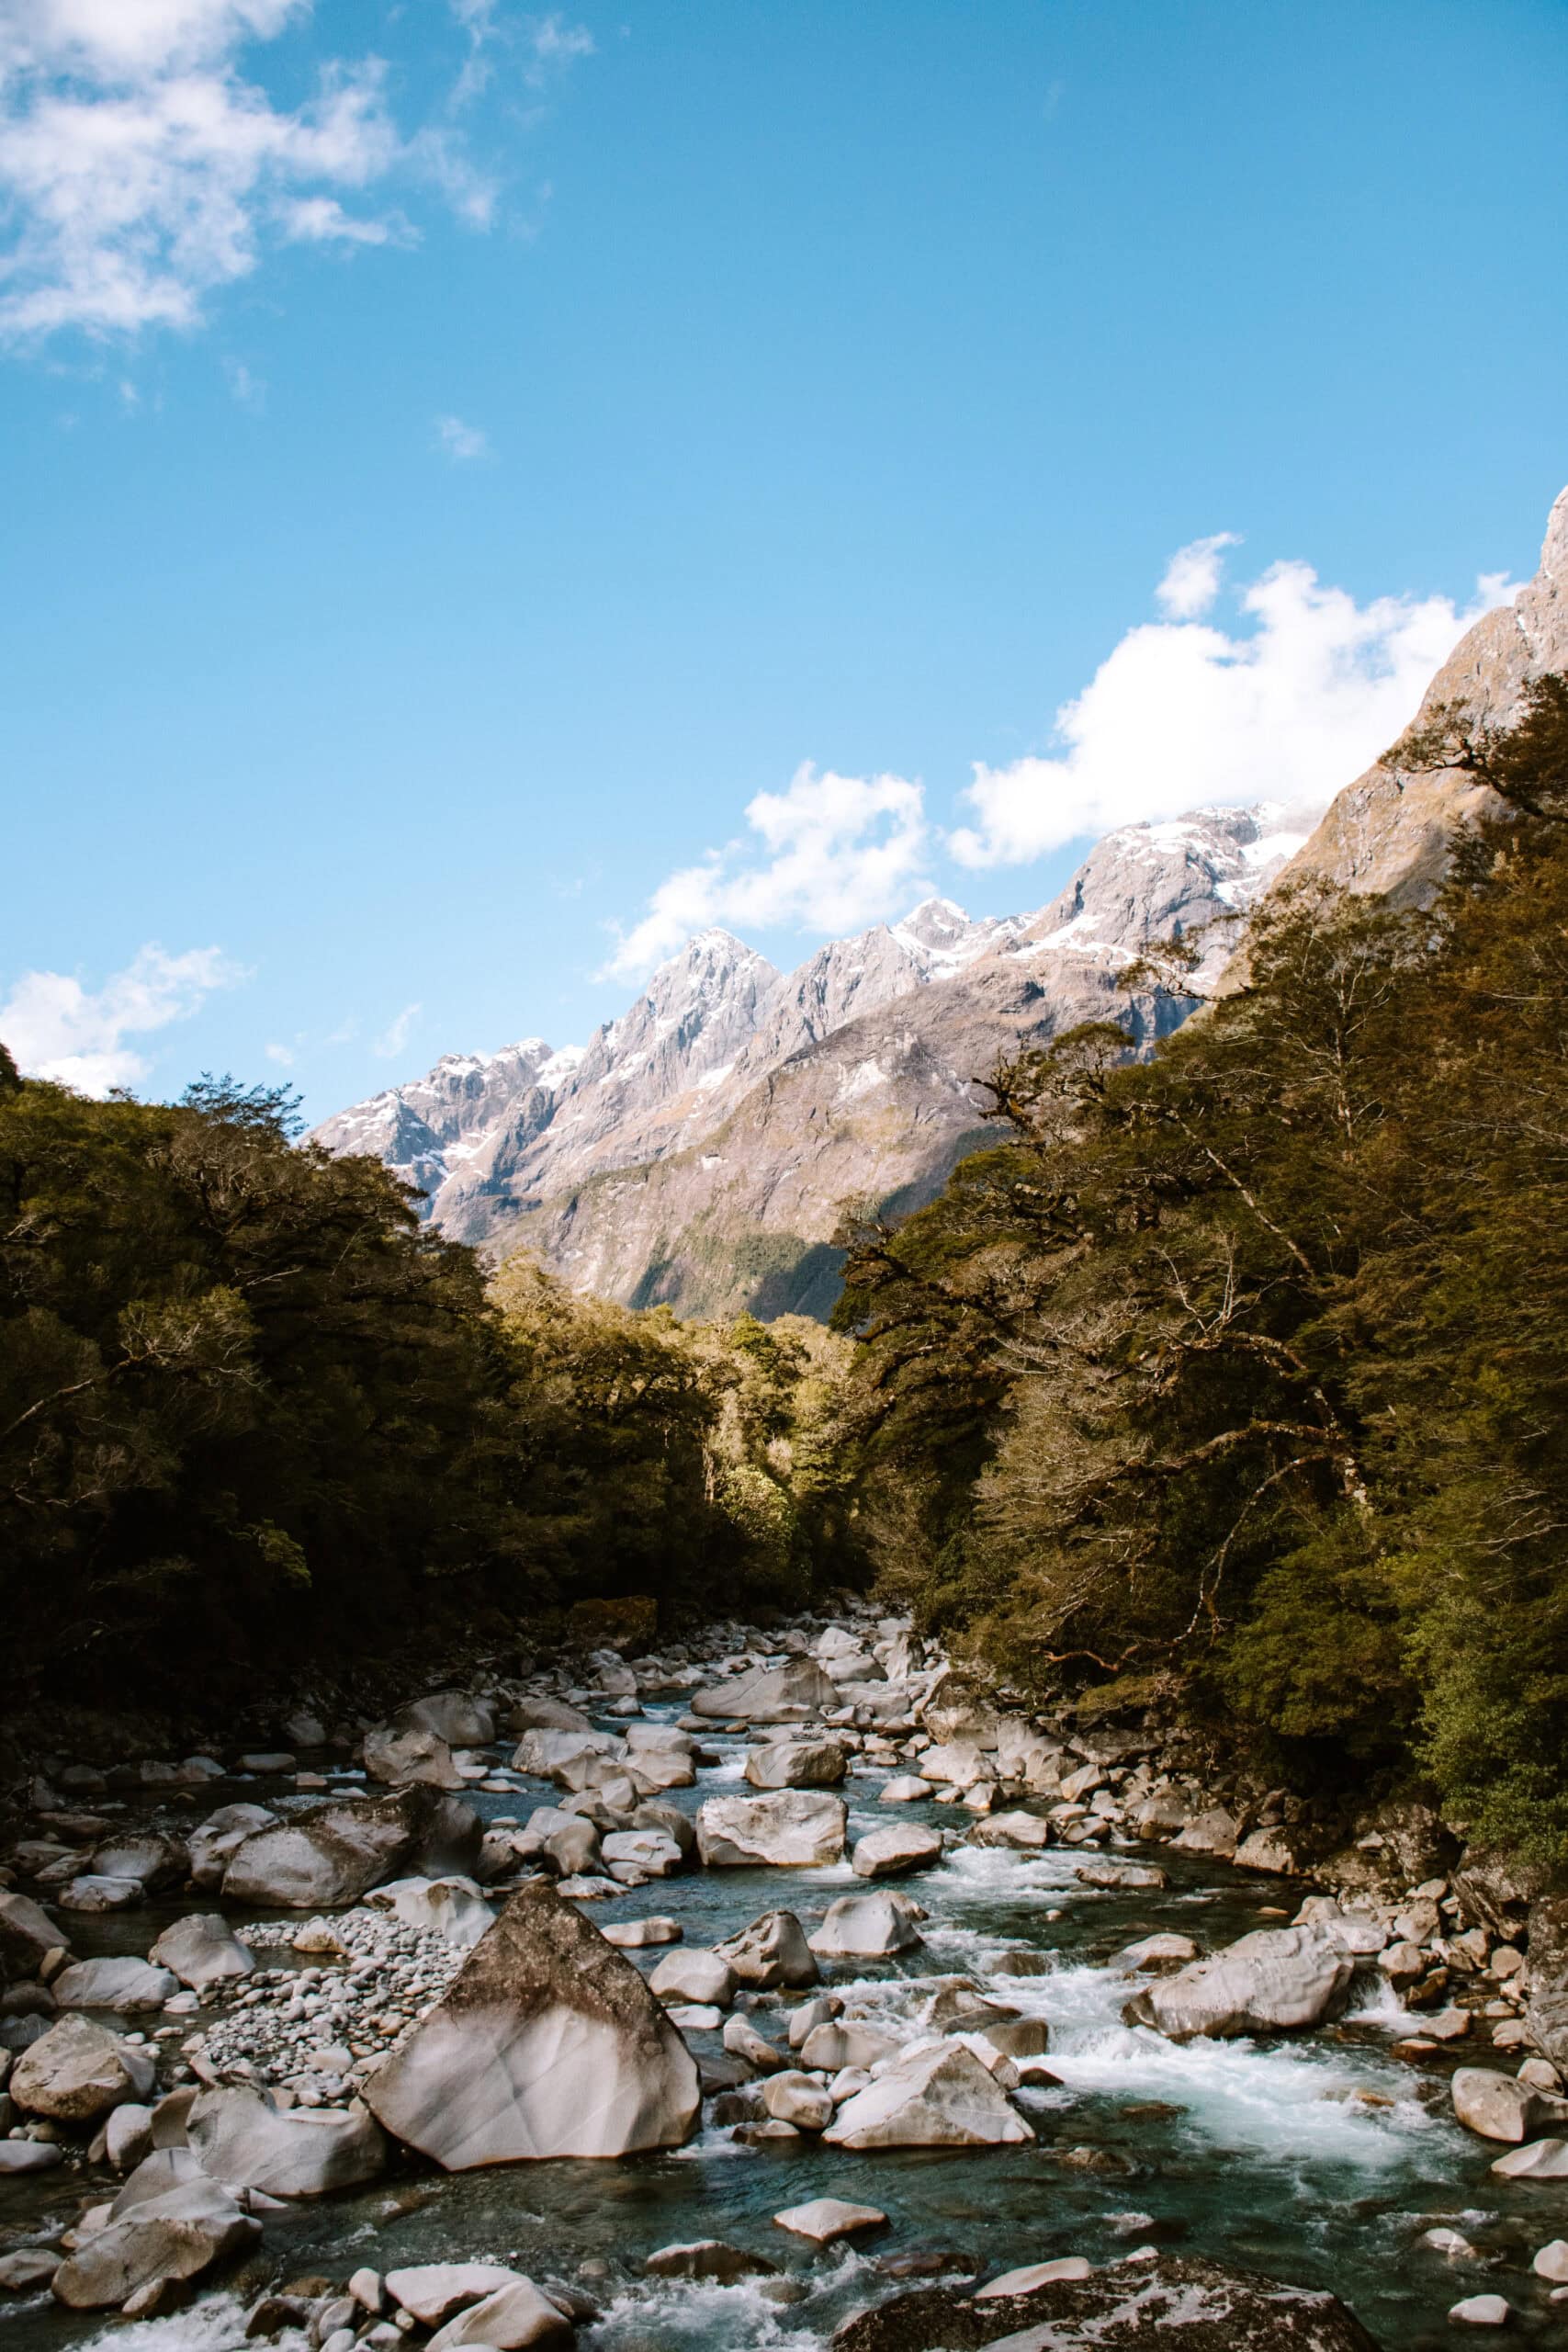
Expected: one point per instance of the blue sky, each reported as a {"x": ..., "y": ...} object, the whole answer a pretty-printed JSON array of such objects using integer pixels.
[{"x": 459, "y": 460}]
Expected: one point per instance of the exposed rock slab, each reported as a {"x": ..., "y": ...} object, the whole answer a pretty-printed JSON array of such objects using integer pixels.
[
  {"x": 333, "y": 1853},
  {"x": 941, "y": 2096},
  {"x": 241, "y": 2137},
  {"x": 791, "y": 1828},
  {"x": 1278, "y": 1980},
  {"x": 547, "y": 2043}
]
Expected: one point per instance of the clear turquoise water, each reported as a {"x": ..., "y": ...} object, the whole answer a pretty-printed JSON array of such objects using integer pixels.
[{"x": 1258, "y": 2154}]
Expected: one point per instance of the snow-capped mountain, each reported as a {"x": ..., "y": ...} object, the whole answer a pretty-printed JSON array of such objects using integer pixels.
[{"x": 853, "y": 1073}]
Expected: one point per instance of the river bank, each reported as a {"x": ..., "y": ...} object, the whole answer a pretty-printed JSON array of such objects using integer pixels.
[{"x": 1328, "y": 2156}]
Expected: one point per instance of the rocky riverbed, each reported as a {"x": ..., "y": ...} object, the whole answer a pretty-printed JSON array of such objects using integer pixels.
[{"x": 767, "y": 1992}]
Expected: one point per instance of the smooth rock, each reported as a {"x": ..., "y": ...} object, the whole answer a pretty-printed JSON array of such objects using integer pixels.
[
  {"x": 824, "y": 2220},
  {"x": 907, "y": 1788},
  {"x": 792, "y": 1829},
  {"x": 1025, "y": 1831},
  {"x": 78, "y": 2071},
  {"x": 867, "y": 1926},
  {"x": 1481, "y": 2310},
  {"x": 333, "y": 1853},
  {"x": 547, "y": 2043},
  {"x": 796, "y": 1764},
  {"x": 30, "y": 2266},
  {"x": 180, "y": 2236},
  {"x": 433, "y": 2291},
  {"x": 769, "y": 1953},
  {"x": 1551, "y": 2262},
  {"x": 461, "y": 1720},
  {"x": 241, "y": 2137},
  {"x": 941, "y": 2096},
  {"x": 126, "y": 1985},
  {"x": 1159, "y": 1952},
  {"x": 638, "y": 1935},
  {"x": 1277, "y": 1980},
  {"x": 202, "y": 1949},
  {"x": 789, "y": 1694},
  {"x": 706, "y": 2259},
  {"x": 1538, "y": 2160},
  {"x": 1032, "y": 2275},
  {"x": 402, "y": 1753},
  {"x": 1499, "y": 2106},
  {"x": 512, "y": 2319},
  {"x": 452, "y": 1908},
  {"x": 694, "y": 1974},
  {"x": 220, "y": 1837},
  {"x": 888, "y": 1853},
  {"x": 150, "y": 1859},
  {"x": 28, "y": 1935},
  {"x": 127, "y": 2135},
  {"x": 792, "y": 2096}
]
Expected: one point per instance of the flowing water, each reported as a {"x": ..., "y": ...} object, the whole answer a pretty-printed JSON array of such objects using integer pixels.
[{"x": 1317, "y": 2160}]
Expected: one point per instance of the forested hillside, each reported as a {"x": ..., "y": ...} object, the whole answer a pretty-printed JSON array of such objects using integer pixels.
[
  {"x": 250, "y": 1411},
  {"x": 1238, "y": 1377}
]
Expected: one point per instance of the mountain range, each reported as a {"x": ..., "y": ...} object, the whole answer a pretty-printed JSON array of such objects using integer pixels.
[{"x": 701, "y": 1149}]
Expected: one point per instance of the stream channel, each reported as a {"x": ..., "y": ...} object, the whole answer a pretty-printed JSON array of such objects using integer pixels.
[{"x": 1318, "y": 2160}]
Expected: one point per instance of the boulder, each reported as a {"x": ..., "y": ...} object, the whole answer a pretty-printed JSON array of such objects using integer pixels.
[
  {"x": 77, "y": 2071},
  {"x": 152, "y": 1861},
  {"x": 1211, "y": 1832},
  {"x": 956, "y": 1764},
  {"x": 28, "y": 1935},
  {"x": 637, "y": 1935},
  {"x": 544, "y": 1754},
  {"x": 94, "y": 1893},
  {"x": 546, "y": 1714},
  {"x": 1032, "y": 2275},
  {"x": 794, "y": 1829},
  {"x": 1481, "y": 2310},
  {"x": 888, "y": 1853},
  {"x": 126, "y": 1985},
  {"x": 648, "y": 1850},
  {"x": 828, "y": 2049},
  {"x": 907, "y": 1788},
  {"x": 742, "y": 2041},
  {"x": 510, "y": 2320},
  {"x": 796, "y": 1764},
  {"x": 215, "y": 1843},
  {"x": 1538, "y": 2160},
  {"x": 1499, "y": 2106},
  {"x": 28, "y": 2155},
  {"x": 824, "y": 2220},
  {"x": 450, "y": 1907},
  {"x": 1023, "y": 1830},
  {"x": 790, "y": 1693},
  {"x": 1111, "y": 1874},
  {"x": 180, "y": 2236},
  {"x": 433, "y": 2291},
  {"x": 1179, "y": 2304},
  {"x": 1277, "y": 1980},
  {"x": 867, "y": 1926},
  {"x": 772, "y": 1952},
  {"x": 692, "y": 1975},
  {"x": 547, "y": 2043},
  {"x": 707, "y": 2258},
  {"x": 1157, "y": 1953},
  {"x": 793, "y": 2097},
  {"x": 399, "y": 1753},
  {"x": 241, "y": 2137},
  {"x": 333, "y": 1853},
  {"x": 127, "y": 2135},
  {"x": 202, "y": 1949},
  {"x": 939, "y": 2096},
  {"x": 454, "y": 1716}
]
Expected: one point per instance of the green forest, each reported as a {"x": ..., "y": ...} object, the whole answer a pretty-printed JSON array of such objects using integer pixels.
[{"x": 1232, "y": 1380}]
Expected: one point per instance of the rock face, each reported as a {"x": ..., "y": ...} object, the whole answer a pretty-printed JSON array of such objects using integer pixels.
[
  {"x": 1181, "y": 2306},
  {"x": 773, "y": 1951},
  {"x": 549, "y": 2043},
  {"x": 241, "y": 2138},
  {"x": 333, "y": 1853},
  {"x": 941, "y": 2096},
  {"x": 1391, "y": 830},
  {"x": 1276, "y": 1981},
  {"x": 795, "y": 1828},
  {"x": 697, "y": 1151}
]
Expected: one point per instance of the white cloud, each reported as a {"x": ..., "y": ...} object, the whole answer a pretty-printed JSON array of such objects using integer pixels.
[
  {"x": 1192, "y": 578},
  {"x": 462, "y": 443},
  {"x": 1182, "y": 714},
  {"x": 58, "y": 1029},
  {"x": 140, "y": 169},
  {"x": 248, "y": 389},
  {"x": 839, "y": 852},
  {"x": 394, "y": 1038},
  {"x": 282, "y": 1055}
]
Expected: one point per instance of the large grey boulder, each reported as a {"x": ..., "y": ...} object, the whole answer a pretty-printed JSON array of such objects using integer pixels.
[
  {"x": 889, "y": 1853},
  {"x": 433, "y": 2291},
  {"x": 791, "y": 1693},
  {"x": 1278, "y": 1980},
  {"x": 77, "y": 2071},
  {"x": 143, "y": 1854},
  {"x": 214, "y": 1845},
  {"x": 513, "y": 2318},
  {"x": 691, "y": 1974},
  {"x": 938, "y": 2097},
  {"x": 401, "y": 1752},
  {"x": 333, "y": 1853},
  {"x": 868, "y": 1926},
  {"x": 550, "y": 1755},
  {"x": 773, "y": 1951},
  {"x": 27, "y": 1935},
  {"x": 1499, "y": 2106},
  {"x": 202, "y": 1949},
  {"x": 180, "y": 2236},
  {"x": 796, "y": 1764},
  {"x": 793, "y": 1828},
  {"x": 239, "y": 2137},
  {"x": 455, "y": 1716},
  {"x": 125, "y": 1984},
  {"x": 547, "y": 2043},
  {"x": 546, "y": 1714}
]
